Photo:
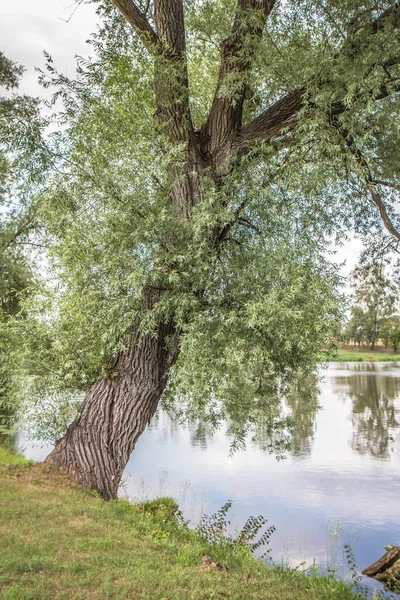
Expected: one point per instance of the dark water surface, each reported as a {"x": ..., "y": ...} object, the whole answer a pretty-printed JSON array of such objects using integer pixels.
[{"x": 340, "y": 483}]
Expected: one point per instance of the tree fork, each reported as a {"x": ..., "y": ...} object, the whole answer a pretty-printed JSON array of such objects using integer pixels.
[{"x": 117, "y": 409}]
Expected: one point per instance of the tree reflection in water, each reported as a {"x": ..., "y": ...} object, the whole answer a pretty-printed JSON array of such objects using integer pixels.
[
  {"x": 375, "y": 411},
  {"x": 7, "y": 436},
  {"x": 373, "y": 390},
  {"x": 294, "y": 416},
  {"x": 200, "y": 434},
  {"x": 302, "y": 401}
]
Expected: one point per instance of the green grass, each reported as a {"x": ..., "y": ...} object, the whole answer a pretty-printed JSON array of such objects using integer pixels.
[
  {"x": 11, "y": 459},
  {"x": 365, "y": 356},
  {"x": 59, "y": 541}
]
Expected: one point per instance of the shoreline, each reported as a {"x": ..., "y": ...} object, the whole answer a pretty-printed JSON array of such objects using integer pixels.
[
  {"x": 61, "y": 541},
  {"x": 364, "y": 356}
]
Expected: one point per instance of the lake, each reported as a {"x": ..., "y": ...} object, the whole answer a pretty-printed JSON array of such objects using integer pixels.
[{"x": 339, "y": 483}]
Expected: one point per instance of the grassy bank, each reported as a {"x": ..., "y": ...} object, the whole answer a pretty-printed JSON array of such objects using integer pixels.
[
  {"x": 59, "y": 541},
  {"x": 366, "y": 356}
]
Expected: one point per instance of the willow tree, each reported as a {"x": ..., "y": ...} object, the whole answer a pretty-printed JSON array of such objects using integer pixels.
[
  {"x": 19, "y": 117},
  {"x": 209, "y": 152}
]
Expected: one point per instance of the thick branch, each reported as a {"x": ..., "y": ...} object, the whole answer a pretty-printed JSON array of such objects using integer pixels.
[
  {"x": 167, "y": 45},
  {"x": 281, "y": 116},
  {"x": 237, "y": 56},
  {"x": 275, "y": 119},
  {"x": 139, "y": 23},
  {"x": 376, "y": 198},
  {"x": 171, "y": 77},
  {"x": 172, "y": 100},
  {"x": 168, "y": 15}
]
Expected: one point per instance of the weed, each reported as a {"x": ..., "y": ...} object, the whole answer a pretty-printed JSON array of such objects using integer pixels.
[
  {"x": 214, "y": 530},
  {"x": 362, "y": 591}
]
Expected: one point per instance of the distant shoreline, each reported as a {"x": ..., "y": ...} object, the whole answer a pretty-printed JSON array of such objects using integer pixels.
[{"x": 364, "y": 355}]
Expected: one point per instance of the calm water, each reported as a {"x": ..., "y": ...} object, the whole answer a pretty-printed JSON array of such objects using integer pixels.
[{"x": 340, "y": 483}]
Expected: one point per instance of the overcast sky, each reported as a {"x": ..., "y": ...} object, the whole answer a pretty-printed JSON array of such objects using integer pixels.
[{"x": 27, "y": 28}]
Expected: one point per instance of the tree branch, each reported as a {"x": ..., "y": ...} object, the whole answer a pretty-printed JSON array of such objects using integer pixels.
[
  {"x": 237, "y": 56},
  {"x": 138, "y": 21},
  {"x": 281, "y": 116},
  {"x": 168, "y": 15},
  {"x": 171, "y": 77},
  {"x": 172, "y": 101},
  {"x": 376, "y": 198},
  {"x": 370, "y": 181},
  {"x": 275, "y": 119}
]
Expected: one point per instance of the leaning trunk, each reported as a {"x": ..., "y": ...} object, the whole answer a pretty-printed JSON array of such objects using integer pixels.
[{"x": 97, "y": 445}]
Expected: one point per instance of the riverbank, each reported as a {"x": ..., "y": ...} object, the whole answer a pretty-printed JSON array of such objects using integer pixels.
[
  {"x": 60, "y": 541},
  {"x": 365, "y": 356}
]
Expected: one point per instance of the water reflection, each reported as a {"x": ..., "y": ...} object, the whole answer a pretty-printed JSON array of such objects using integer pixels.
[
  {"x": 375, "y": 406},
  {"x": 303, "y": 403},
  {"x": 340, "y": 465},
  {"x": 200, "y": 435},
  {"x": 7, "y": 437}
]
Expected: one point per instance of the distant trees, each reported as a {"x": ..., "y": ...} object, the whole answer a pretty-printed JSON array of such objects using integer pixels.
[
  {"x": 390, "y": 332},
  {"x": 20, "y": 126},
  {"x": 373, "y": 307},
  {"x": 355, "y": 327}
]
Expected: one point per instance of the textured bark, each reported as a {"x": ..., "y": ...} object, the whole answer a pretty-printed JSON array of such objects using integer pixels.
[
  {"x": 172, "y": 99},
  {"x": 97, "y": 445},
  {"x": 219, "y": 134},
  {"x": 138, "y": 21},
  {"x": 386, "y": 569},
  {"x": 116, "y": 411}
]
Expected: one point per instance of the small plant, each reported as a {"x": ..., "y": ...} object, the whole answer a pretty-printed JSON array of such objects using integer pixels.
[
  {"x": 183, "y": 488},
  {"x": 335, "y": 530},
  {"x": 362, "y": 591},
  {"x": 164, "y": 507},
  {"x": 163, "y": 483},
  {"x": 162, "y": 518},
  {"x": 213, "y": 529},
  {"x": 143, "y": 491},
  {"x": 354, "y": 574}
]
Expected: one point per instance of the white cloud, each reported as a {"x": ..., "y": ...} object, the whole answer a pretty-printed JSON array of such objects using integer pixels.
[{"x": 28, "y": 28}]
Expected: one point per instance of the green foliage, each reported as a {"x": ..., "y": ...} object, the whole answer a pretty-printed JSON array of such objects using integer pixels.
[
  {"x": 165, "y": 507},
  {"x": 214, "y": 530},
  {"x": 390, "y": 333},
  {"x": 251, "y": 313},
  {"x": 355, "y": 326},
  {"x": 255, "y": 309},
  {"x": 374, "y": 300},
  {"x": 19, "y": 124},
  {"x": 7, "y": 458}
]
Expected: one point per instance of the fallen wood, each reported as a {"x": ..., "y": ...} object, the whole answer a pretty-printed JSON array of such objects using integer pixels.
[{"x": 386, "y": 569}]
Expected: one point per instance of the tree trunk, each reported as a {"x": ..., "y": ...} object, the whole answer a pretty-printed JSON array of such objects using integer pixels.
[{"x": 97, "y": 445}]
